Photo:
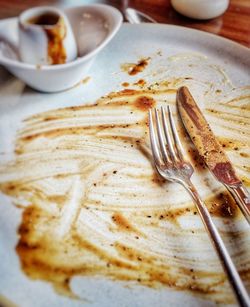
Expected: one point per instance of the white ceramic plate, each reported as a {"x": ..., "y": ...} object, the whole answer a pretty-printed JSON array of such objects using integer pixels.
[{"x": 18, "y": 101}]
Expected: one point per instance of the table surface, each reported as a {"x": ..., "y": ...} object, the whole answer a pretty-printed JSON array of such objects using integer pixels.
[{"x": 233, "y": 24}]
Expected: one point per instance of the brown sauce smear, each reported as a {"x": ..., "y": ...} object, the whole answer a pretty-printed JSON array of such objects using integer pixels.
[
  {"x": 196, "y": 160},
  {"x": 140, "y": 82},
  {"x": 225, "y": 172},
  {"x": 144, "y": 103},
  {"x": 222, "y": 205},
  {"x": 230, "y": 143},
  {"x": 122, "y": 222},
  {"x": 187, "y": 103},
  {"x": 139, "y": 67},
  {"x": 50, "y": 251},
  {"x": 56, "y": 50},
  {"x": 133, "y": 69},
  {"x": 47, "y": 19}
]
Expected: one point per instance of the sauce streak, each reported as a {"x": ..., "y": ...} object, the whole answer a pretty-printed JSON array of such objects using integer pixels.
[
  {"x": 56, "y": 50},
  {"x": 135, "y": 68},
  {"x": 225, "y": 173},
  {"x": 47, "y": 19},
  {"x": 94, "y": 205},
  {"x": 139, "y": 67},
  {"x": 55, "y": 29},
  {"x": 144, "y": 103}
]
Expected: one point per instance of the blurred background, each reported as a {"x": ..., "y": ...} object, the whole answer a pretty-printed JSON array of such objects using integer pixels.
[{"x": 233, "y": 24}]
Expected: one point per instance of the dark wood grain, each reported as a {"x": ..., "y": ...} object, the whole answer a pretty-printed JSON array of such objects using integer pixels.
[{"x": 233, "y": 24}]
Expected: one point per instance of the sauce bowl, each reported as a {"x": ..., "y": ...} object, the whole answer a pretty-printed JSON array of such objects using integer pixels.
[
  {"x": 93, "y": 27},
  {"x": 46, "y": 37}
]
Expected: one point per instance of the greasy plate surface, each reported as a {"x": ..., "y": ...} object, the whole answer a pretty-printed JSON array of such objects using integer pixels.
[{"x": 93, "y": 208}]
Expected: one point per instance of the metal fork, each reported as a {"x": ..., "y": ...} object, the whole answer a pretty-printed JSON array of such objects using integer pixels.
[{"x": 170, "y": 164}]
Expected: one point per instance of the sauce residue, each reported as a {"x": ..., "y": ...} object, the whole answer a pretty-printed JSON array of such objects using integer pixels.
[
  {"x": 222, "y": 205},
  {"x": 225, "y": 173},
  {"x": 55, "y": 29},
  {"x": 46, "y": 19},
  {"x": 94, "y": 205},
  {"x": 140, "y": 82},
  {"x": 145, "y": 103},
  {"x": 186, "y": 101},
  {"x": 123, "y": 223},
  {"x": 135, "y": 68},
  {"x": 56, "y": 50}
]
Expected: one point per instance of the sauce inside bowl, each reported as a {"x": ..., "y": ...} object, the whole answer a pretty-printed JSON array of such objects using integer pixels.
[
  {"x": 54, "y": 27},
  {"x": 46, "y": 19}
]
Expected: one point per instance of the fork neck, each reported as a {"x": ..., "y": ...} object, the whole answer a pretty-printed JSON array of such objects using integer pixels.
[
  {"x": 188, "y": 185},
  {"x": 234, "y": 278}
]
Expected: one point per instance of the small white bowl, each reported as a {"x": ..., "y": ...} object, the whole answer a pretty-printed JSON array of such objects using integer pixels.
[
  {"x": 93, "y": 26},
  {"x": 200, "y": 9}
]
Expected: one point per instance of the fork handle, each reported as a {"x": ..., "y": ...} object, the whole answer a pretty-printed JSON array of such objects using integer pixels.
[{"x": 226, "y": 261}]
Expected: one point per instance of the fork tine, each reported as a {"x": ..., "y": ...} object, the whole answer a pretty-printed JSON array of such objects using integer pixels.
[
  {"x": 167, "y": 135},
  {"x": 161, "y": 138},
  {"x": 154, "y": 146},
  {"x": 177, "y": 141}
]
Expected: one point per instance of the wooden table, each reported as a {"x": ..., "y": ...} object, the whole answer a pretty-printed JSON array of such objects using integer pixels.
[{"x": 234, "y": 24}]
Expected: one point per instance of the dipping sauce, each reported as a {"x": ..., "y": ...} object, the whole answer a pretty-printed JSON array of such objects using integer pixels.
[{"x": 47, "y": 19}]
